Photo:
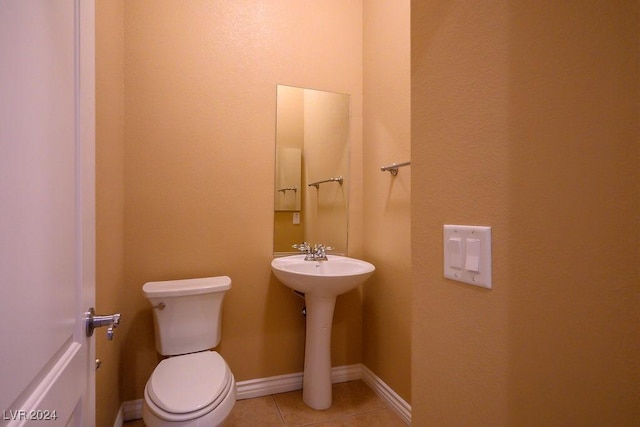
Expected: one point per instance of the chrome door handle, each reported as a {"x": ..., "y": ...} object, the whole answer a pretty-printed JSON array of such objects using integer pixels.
[{"x": 94, "y": 320}]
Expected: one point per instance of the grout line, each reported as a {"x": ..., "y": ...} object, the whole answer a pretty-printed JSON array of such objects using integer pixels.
[{"x": 284, "y": 423}]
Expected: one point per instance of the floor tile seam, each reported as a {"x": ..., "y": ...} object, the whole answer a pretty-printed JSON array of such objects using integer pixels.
[
  {"x": 278, "y": 410},
  {"x": 354, "y": 411},
  {"x": 367, "y": 411}
]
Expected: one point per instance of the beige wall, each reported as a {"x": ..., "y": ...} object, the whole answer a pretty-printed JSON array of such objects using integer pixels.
[
  {"x": 387, "y": 219},
  {"x": 257, "y": 306},
  {"x": 525, "y": 118},
  {"x": 200, "y": 86},
  {"x": 109, "y": 200}
]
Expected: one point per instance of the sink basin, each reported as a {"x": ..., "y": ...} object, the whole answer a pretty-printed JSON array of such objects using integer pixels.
[
  {"x": 337, "y": 275},
  {"x": 321, "y": 282}
]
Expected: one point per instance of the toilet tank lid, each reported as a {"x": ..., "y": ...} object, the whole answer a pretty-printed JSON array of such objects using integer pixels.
[{"x": 170, "y": 288}]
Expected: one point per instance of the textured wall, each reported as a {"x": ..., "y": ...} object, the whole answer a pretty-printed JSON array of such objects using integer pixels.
[
  {"x": 200, "y": 102},
  {"x": 387, "y": 203},
  {"x": 525, "y": 118},
  {"x": 109, "y": 199}
]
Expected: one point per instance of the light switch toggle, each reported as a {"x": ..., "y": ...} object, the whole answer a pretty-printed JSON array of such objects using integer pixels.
[
  {"x": 454, "y": 246},
  {"x": 472, "y": 259}
]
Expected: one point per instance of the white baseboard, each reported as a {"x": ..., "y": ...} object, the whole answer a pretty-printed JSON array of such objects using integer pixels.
[
  {"x": 397, "y": 403},
  {"x": 266, "y": 386},
  {"x": 132, "y": 410},
  {"x": 119, "y": 418},
  {"x": 290, "y": 382},
  {"x": 129, "y": 411},
  {"x": 341, "y": 374}
]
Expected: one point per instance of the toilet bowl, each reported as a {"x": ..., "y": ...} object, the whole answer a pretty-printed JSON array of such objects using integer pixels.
[
  {"x": 195, "y": 386},
  {"x": 196, "y": 389}
]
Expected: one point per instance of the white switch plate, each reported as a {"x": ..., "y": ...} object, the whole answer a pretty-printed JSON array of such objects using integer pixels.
[{"x": 455, "y": 268}]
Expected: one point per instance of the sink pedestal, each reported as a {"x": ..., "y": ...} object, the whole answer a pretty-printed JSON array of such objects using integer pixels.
[
  {"x": 316, "y": 385},
  {"x": 321, "y": 281}
]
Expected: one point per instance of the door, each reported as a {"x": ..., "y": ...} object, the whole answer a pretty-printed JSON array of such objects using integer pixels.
[{"x": 47, "y": 370}]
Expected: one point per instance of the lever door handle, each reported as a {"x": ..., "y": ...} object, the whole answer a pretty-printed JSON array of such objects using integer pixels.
[{"x": 94, "y": 320}]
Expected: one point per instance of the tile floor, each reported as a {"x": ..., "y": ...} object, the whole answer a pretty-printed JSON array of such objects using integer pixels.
[{"x": 354, "y": 405}]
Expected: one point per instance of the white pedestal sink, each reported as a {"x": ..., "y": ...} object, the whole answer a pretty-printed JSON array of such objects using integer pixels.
[{"x": 321, "y": 282}]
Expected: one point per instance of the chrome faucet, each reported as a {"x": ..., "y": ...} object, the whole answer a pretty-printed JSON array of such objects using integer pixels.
[{"x": 317, "y": 253}]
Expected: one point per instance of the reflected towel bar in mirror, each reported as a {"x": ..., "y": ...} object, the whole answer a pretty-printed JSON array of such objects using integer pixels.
[
  {"x": 317, "y": 183},
  {"x": 285, "y": 189},
  {"x": 393, "y": 168}
]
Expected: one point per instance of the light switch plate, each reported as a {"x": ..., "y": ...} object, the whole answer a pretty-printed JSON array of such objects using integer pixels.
[{"x": 470, "y": 236}]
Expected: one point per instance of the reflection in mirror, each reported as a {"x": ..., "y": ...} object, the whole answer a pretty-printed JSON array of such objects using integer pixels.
[
  {"x": 288, "y": 178},
  {"x": 312, "y": 145}
]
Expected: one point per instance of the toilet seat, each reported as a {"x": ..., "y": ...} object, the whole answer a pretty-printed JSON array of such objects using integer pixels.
[{"x": 189, "y": 386}]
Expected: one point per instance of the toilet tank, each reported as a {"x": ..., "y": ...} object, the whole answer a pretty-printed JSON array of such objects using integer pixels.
[{"x": 187, "y": 313}]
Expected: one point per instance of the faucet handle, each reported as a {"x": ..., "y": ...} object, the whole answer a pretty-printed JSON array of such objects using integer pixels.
[
  {"x": 303, "y": 247},
  {"x": 319, "y": 253}
]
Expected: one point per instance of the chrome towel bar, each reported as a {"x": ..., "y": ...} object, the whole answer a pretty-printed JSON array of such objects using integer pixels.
[
  {"x": 393, "y": 168},
  {"x": 285, "y": 189},
  {"x": 317, "y": 183}
]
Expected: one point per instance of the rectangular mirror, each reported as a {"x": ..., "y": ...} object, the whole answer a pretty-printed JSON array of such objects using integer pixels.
[{"x": 312, "y": 161}]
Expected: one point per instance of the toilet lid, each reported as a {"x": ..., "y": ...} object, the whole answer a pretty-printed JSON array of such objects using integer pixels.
[{"x": 188, "y": 383}]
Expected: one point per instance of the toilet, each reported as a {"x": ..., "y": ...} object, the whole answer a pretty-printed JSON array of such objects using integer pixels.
[{"x": 194, "y": 385}]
